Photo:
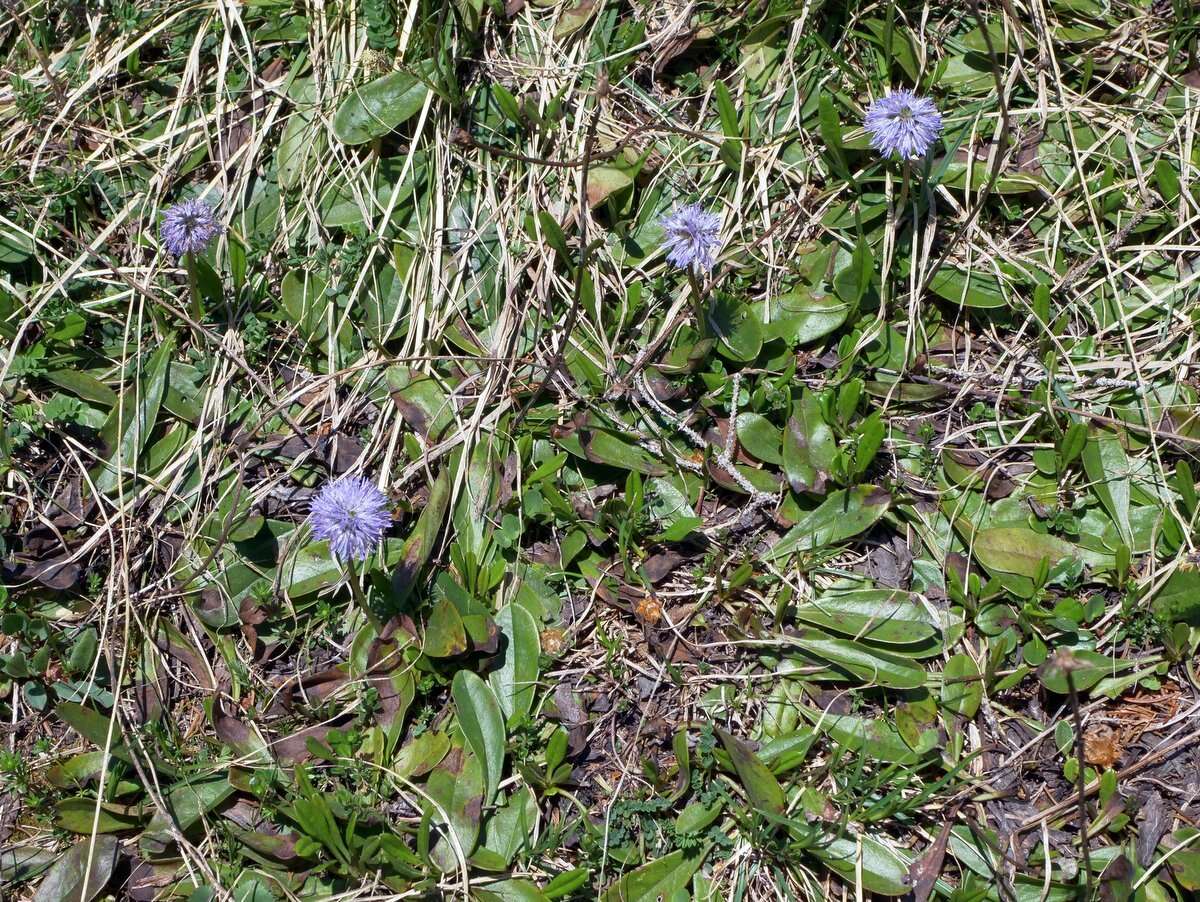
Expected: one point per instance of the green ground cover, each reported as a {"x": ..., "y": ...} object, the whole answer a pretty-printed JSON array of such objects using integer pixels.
[{"x": 861, "y": 563}]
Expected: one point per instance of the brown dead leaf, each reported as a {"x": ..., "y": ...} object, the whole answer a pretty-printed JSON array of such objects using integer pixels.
[
  {"x": 1102, "y": 746},
  {"x": 649, "y": 609},
  {"x": 923, "y": 873}
]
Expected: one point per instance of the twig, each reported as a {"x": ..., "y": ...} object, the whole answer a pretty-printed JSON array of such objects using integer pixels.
[{"x": 1080, "y": 779}]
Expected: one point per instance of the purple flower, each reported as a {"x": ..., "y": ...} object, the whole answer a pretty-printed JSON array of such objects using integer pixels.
[
  {"x": 352, "y": 515},
  {"x": 693, "y": 237},
  {"x": 189, "y": 226},
  {"x": 903, "y": 124}
]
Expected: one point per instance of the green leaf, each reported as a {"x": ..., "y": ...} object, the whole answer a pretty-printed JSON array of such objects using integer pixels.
[
  {"x": 566, "y": 883},
  {"x": 79, "y": 815},
  {"x": 831, "y": 134},
  {"x": 377, "y": 107},
  {"x": 305, "y": 304},
  {"x": 604, "y": 447},
  {"x": 83, "y": 872},
  {"x": 1167, "y": 180},
  {"x": 883, "y": 870},
  {"x": 1019, "y": 550},
  {"x": 697, "y": 816},
  {"x": 1107, "y": 466},
  {"x": 84, "y": 386},
  {"x": 881, "y": 615},
  {"x": 842, "y": 515},
  {"x": 760, "y": 784},
  {"x": 19, "y": 863},
  {"x": 874, "y": 738},
  {"x": 851, "y": 282},
  {"x": 421, "y": 754},
  {"x": 553, "y": 235},
  {"x": 756, "y": 434},
  {"x": 445, "y": 632},
  {"x": 482, "y": 722},
  {"x": 187, "y": 803},
  {"x": 971, "y": 289},
  {"x": 730, "y": 151},
  {"x": 738, "y": 329},
  {"x": 457, "y": 786},
  {"x": 809, "y": 447},
  {"x": 511, "y": 827},
  {"x": 803, "y": 316},
  {"x": 575, "y": 17},
  {"x": 309, "y": 570},
  {"x": 420, "y": 543},
  {"x": 511, "y": 890},
  {"x": 131, "y": 421},
  {"x": 1088, "y": 669},
  {"x": 1073, "y": 442},
  {"x": 962, "y": 689},
  {"x": 15, "y": 245},
  {"x": 94, "y": 727},
  {"x": 515, "y": 681},
  {"x": 604, "y": 181},
  {"x": 300, "y": 138},
  {"x": 656, "y": 880},
  {"x": 1179, "y": 599},
  {"x": 874, "y": 666},
  {"x": 508, "y": 104}
]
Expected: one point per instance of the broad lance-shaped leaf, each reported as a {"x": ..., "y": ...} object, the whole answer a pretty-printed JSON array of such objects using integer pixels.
[
  {"x": 760, "y": 784},
  {"x": 874, "y": 666},
  {"x": 962, "y": 689},
  {"x": 1019, "y": 550},
  {"x": 515, "y": 681},
  {"x": 445, "y": 635},
  {"x": 808, "y": 446},
  {"x": 187, "y": 803},
  {"x": 83, "y": 872},
  {"x": 457, "y": 787},
  {"x": 1179, "y": 599},
  {"x": 888, "y": 616},
  {"x": 1107, "y": 466},
  {"x": 802, "y": 316},
  {"x": 842, "y": 515},
  {"x": 757, "y": 435},
  {"x": 604, "y": 447},
  {"x": 969, "y": 288},
  {"x": 132, "y": 419},
  {"x": 374, "y": 109},
  {"x": 419, "y": 544},
  {"x": 875, "y": 738},
  {"x": 96, "y": 728},
  {"x": 482, "y": 724},
  {"x": 662, "y": 878},
  {"x": 868, "y": 862},
  {"x": 1087, "y": 669}
]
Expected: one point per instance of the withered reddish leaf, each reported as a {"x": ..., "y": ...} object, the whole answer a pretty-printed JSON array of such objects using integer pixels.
[
  {"x": 659, "y": 566},
  {"x": 923, "y": 872}
]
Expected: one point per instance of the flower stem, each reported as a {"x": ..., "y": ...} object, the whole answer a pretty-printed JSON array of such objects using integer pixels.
[
  {"x": 905, "y": 180},
  {"x": 360, "y": 598},
  {"x": 698, "y": 304},
  {"x": 193, "y": 273}
]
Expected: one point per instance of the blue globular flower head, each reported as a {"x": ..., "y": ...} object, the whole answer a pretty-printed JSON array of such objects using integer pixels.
[
  {"x": 693, "y": 237},
  {"x": 352, "y": 515},
  {"x": 189, "y": 226},
  {"x": 903, "y": 124}
]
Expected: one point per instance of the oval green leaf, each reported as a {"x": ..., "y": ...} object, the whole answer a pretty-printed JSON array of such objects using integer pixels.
[{"x": 377, "y": 107}]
